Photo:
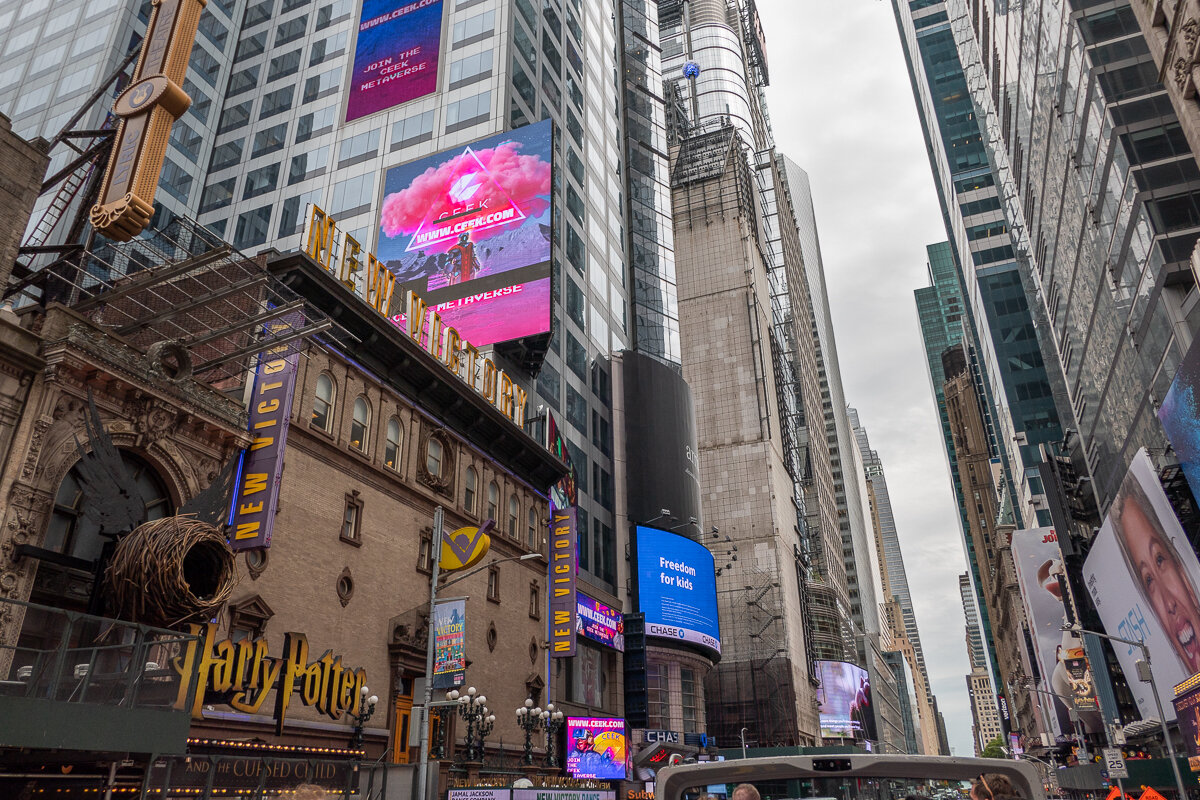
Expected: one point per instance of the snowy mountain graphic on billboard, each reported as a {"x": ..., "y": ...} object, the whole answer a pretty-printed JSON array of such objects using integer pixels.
[{"x": 478, "y": 201}]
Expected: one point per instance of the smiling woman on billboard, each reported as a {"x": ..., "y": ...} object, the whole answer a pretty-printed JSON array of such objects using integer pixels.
[
  {"x": 1144, "y": 580},
  {"x": 1159, "y": 571}
]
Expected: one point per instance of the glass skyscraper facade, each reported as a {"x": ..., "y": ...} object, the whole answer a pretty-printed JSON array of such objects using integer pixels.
[{"x": 1097, "y": 173}]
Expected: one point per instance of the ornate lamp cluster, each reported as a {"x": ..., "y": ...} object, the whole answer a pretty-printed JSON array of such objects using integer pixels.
[
  {"x": 533, "y": 718},
  {"x": 480, "y": 721},
  {"x": 366, "y": 708}
]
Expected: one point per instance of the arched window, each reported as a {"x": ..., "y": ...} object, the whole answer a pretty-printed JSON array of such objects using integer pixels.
[
  {"x": 531, "y": 537},
  {"x": 72, "y": 533},
  {"x": 514, "y": 512},
  {"x": 493, "y": 500},
  {"x": 360, "y": 426},
  {"x": 433, "y": 457},
  {"x": 391, "y": 450},
  {"x": 322, "y": 411},
  {"x": 469, "y": 490}
]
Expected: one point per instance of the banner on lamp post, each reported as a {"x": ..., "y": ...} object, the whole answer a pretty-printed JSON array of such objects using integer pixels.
[{"x": 449, "y": 655}]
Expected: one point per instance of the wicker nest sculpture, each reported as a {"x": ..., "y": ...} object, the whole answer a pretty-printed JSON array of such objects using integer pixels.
[{"x": 171, "y": 571}]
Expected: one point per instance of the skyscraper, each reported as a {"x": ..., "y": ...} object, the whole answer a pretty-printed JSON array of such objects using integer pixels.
[
  {"x": 1088, "y": 251},
  {"x": 975, "y": 650},
  {"x": 985, "y": 718},
  {"x": 766, "y": 463},
  {"x": 895, "y": 578},
  {"x": 899, "y": 619}
]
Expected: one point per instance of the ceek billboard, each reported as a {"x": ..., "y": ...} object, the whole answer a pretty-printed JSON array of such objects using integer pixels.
[
  {"x": 469, "y": 231},
  {"x": 395, "y": 55}
]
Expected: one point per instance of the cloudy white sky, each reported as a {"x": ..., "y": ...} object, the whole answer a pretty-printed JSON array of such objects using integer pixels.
[{"x": 842, "y": 107}]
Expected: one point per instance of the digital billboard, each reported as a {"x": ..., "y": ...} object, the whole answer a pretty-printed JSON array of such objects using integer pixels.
[
  {"x": 469, "y": 231},
  {"x": 1144, "y": 580},
  {"x": 600, "y": 623},
  {"x": 596, "y": 748},
  {"x": 668, "y": 474},
  {"x": 1187, "y": 714},
  {"x": 1060, "y": 657},
  {"x": 677, "y": 588},
  {"x": 1180, "y": 416},
  {"x": 395, "y": 54},
  {"x": 844, "y": 701}
]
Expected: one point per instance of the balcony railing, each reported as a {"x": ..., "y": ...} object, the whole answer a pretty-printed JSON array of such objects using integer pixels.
[{"x": 81, "y": 682}]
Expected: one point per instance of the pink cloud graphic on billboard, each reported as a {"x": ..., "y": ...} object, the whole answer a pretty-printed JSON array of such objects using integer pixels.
[
  {"x": 469, "y": 230},
  {"x": 473, "y": 192}
]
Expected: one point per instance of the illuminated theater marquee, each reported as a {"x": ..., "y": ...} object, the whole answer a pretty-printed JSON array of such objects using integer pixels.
[{"x": 369, "y": 279}]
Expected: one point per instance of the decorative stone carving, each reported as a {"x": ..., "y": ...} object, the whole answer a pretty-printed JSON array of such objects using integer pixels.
[{"x": 35, "y": 447}]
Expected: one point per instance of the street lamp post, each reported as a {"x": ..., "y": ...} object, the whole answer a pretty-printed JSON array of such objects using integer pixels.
[
  {"x": 435, "y": 548},
  {"x": 472, "y": 708},
  {"x": 366, "y": 708},
  {"x": 743, "y": 735},
  {"x": 1162, "y": 721},
  {"x": 529, "y": 717},
  {"x": 552, "y": 720}
]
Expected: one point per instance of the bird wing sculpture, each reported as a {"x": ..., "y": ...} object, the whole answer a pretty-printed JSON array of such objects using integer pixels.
[
  {"x": 212, "y": 504},
  {"x": 111, "y": 498}
]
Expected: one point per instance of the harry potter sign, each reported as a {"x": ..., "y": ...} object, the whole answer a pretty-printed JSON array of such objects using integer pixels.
[{"x": 244, "y": 673}]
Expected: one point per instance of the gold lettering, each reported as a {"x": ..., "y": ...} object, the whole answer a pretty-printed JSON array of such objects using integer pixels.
[
  {"x": 267, "y": 406},
  {"x": 451, "y": 347},
  {"x": 266, "y": 423},
  {"x": 435, "y": 333},
  {"x": 262, "y": 441},
  {"x": 250, "y": 508},
  {"x": 489, "y": 381},
  {"x": 472, "y": 353},
  {"x": 505, "y": 401},
  {"x": 416, "y": 316},
  {"x": 275, "y": 366},
  {"x": 350, "y": 263},
  {"x": 269, "y": 387},
  {"x": 295, "y": 647},
  {"x": 255, "y": 482},
  {"x": 519, "y": 398},
  {"x": 247, "y": 530},
  {"x": 321, "y": 232}
]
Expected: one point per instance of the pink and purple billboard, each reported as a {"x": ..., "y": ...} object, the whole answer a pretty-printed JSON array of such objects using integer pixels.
[
  {"x": 596, "y": 748},
  {"x": 469, "y": 231},
  {"x": 395, "y": 56}
]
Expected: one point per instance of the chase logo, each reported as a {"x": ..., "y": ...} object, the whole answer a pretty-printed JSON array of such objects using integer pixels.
[{"x": 681, "y": 634}]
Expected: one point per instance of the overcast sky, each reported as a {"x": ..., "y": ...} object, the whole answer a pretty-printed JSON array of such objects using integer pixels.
[{"x": 842, "y": 108}]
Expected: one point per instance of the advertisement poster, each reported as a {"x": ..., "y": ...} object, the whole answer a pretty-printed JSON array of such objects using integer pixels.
[
  {"x": 596, "y": 748},
  {"x": 395, "y": 55},
  {"x": 677, "y": 588},
  {"x": 469, "y": 231},
  {"x": 1144, "y": 580},
  {"x": 844, "y": 701},
  {"x": 599, "y": 622},
  {"x": 1038, "y": 560},
  {"x": 449, "y": 654},
  {"x": 1187, "y": 714},
  {"x": 1180, "y": 416}
]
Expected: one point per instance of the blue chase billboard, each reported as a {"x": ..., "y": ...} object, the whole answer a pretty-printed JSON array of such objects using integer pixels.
[{"x": 677, "y": 588}]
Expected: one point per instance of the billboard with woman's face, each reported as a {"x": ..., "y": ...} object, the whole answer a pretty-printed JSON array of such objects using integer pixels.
[{"x": 1144, "y": 580}]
